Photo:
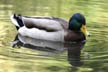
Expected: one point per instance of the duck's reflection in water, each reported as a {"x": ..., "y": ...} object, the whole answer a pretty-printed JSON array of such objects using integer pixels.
[
  {"x": 74, "y": 52},
  {"x": 73, "y": 48},
  {"x": 43, "y": 45}
]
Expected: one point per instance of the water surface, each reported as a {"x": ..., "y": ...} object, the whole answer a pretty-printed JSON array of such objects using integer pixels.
[{"x": 94, "y": 54}]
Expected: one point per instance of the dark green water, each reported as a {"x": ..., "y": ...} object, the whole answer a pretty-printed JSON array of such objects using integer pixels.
[{"x": 29, "y": 60}]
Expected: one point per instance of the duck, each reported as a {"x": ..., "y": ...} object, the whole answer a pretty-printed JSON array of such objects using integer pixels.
[{"x": 52, "y": 28}]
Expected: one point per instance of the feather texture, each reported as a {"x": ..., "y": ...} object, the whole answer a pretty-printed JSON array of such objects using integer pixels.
[{"x": 42, "y": 34}]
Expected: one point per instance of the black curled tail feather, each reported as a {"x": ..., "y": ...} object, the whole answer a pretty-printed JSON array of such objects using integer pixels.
[{"x": 18, "y": 21}]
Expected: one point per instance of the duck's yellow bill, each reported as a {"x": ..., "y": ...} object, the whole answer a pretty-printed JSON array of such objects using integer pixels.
[{"x": 84, "y": 30}]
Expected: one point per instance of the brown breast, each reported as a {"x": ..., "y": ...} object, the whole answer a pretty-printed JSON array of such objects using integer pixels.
[{"x": 74, "y": 36}]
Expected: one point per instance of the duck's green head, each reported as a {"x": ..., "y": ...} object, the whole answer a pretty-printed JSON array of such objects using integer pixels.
[{"x": 78, "y": 23}]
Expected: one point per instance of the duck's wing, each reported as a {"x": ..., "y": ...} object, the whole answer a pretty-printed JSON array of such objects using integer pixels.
[
  {"x": 46, "y": 23},
  {"x": 40, "y": 22}
]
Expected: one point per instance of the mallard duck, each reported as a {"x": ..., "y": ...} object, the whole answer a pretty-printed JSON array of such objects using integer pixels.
[
  {"x": 51, "y": 28},
  {"x": 55, "y": 33}
]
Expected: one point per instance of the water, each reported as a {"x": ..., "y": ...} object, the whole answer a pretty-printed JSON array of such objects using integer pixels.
[{"x": 94, "y": 55}]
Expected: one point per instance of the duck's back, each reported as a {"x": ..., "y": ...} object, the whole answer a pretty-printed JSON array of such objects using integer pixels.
[{"x": 48, "y": 23}]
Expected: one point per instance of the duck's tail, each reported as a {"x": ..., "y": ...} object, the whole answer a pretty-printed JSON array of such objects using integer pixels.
[{"x": 17, "y": 21}]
